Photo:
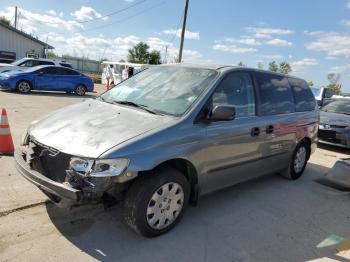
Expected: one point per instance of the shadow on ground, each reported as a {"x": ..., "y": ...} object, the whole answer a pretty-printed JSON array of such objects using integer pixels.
[
  {"x": 53, "y": 94},
  {"x": 267, "y": 219},
  {"x": 336, "y": 149}
]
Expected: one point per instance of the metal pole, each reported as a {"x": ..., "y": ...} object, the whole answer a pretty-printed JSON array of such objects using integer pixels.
[
  {"x": 16, "y": 17},
  {"x": 183, "y": 31}
]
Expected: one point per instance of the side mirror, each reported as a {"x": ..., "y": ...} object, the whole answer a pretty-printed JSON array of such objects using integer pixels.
[{"x": 222, "y": 113}]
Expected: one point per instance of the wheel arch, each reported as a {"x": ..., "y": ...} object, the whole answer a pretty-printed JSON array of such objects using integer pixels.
[
  {"x": 25, "y": 80},
  {"x": 190, "y": 172},
  {"x": 308, "y": 141}
]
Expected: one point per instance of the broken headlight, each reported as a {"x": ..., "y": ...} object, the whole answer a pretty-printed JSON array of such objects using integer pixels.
[{"x": 99, "y": 167}]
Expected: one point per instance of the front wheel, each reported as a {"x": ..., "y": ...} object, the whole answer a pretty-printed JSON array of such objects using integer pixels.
[
  {"x": 24, "y": 87},
  {"x": 298, "y": 161},
  {"x": 80, "y": 90},
  {"x": 156, "y": 202}
]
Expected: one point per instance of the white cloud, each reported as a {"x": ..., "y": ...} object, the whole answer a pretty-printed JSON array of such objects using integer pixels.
[
  {"x": 300, "y": 65},
  {"x": 345, "y": 22},
  {"x": 305, "y": 62},
  {"x": 266, "y": 32},
  {"x": 188, "y": 34},
  {"x": 333, "y": 44},
  {"x": 313, "y": 33},
  {"x": 271, "y": 57},
  {"x": 231, "y": 48},
  {"x": 87, "y": 13},
  {"x": 279, "y": 42},
  {"x": 245, "y": 40},
  {"x": 30, "y": 21},
  {"x": 115, "y": 49},
  {"x": 52, "y": 12},
  {"x": 342, "y": 70}
]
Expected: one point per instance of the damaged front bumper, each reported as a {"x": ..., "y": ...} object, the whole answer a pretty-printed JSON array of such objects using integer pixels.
[
  {"x": 65, "y": 186},
  {"x": 58, "y": 192}
]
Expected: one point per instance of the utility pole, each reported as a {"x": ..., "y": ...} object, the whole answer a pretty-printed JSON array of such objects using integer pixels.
[
  {"x": 183, "y": 31},
  {"x": 166, "y": 54},
  {"x": 16, "y": 17}
]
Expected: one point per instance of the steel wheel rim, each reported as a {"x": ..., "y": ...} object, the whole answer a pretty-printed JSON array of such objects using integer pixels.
[
  {"x": 24, "y": 87},
  {"x": 300, "y": 159},
  {"x": 165, "y": 205},
  {"x": 80, "y": 90}
]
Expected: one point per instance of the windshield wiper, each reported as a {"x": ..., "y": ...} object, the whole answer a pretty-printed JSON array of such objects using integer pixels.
[{"x": 129, "y": 103}]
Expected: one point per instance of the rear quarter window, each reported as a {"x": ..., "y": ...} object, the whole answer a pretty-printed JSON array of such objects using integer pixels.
[
  {"x": 66, "y": 65},
  {"x": 303, "y": 96},
  {"x": 276, "y": 96}
]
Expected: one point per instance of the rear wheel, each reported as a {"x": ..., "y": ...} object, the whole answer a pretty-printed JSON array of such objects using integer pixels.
[
  {"x": 24, "y": 87},
  {"x": 80, "y": 90},
  {"x": 298, "y": 161},
  {"x": 155, "y": 203}
]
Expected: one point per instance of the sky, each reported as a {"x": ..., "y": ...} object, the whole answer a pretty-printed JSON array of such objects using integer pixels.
[{"x": 312, "y": 35}]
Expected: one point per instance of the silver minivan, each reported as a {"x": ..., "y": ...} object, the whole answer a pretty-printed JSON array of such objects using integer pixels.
[{"x": 170, "y": 134}]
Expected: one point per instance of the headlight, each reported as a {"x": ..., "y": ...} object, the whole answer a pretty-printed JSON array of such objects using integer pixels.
[
  {"x": 99, "y": 167},
  {"x": 25, "y": 138}
]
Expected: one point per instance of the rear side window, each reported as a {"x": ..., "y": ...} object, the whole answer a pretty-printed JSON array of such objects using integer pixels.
[
  {"x": 67, "y": 72},
  {"x": 30, "y": 63},
  {"x": 45, "y": 63},
  {"x": 276, "y": 96},
  {"x": 66, "y": 65},
  {"x": 303, "y": 96}
]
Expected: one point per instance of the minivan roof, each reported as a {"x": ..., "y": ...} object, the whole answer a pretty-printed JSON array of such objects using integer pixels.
[{"x": 224, "y": 68}]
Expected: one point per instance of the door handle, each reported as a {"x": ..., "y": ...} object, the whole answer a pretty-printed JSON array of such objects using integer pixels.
[
  {"x": 255, "y": 131},
  {"x": 269, "y": 129}
]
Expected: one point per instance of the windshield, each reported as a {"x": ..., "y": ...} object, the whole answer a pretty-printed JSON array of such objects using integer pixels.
[
  {"x": 16, "y": 63},
  {"x": 316, "y": 91},
  {"x": 168, "y": 90},
  {"x": 340, "y": 106}
]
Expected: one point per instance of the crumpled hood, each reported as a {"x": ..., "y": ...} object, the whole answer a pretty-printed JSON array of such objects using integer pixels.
[
  {"x": 92, "y": 127},
  {"x": 334, "y": 119}
]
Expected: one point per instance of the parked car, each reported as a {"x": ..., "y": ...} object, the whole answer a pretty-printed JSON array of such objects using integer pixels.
[
  {"x": 50, "y": 78},
  {"x": 168, "y": 135},
  {"x": 31, "y": 62},
  {"x": 335, "y": 123},
  {"x": 322, "y": 95}
]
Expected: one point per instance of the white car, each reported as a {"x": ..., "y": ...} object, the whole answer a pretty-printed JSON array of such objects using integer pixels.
[{"x": 30, "y": 62}]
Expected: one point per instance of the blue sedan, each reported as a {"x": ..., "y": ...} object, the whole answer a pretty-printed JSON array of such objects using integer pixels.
[{"x": 50, "y": 78}]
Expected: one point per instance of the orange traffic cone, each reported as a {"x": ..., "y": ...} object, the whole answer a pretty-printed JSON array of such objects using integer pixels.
[{"x": 6, "y": 143}]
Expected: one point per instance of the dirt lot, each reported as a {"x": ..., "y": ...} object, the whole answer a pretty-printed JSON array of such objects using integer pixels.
[{"x": 268, "y": 219}]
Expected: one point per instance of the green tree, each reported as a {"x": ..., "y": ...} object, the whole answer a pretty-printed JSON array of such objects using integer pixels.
[
  {"x": 334, "y": 78},
  {"x": 241, "y": 64},
  {"x": 285, "y": 68},
  {"x": 139, "y": 53},
  {"x": 155, "y": 58},
  {"x": 310, "y": 83},
  {"x": 335, "y": 87},
  {"x": 4, "y": 20},
  {"x": 273, "y": 66},
  {"x": 51, "y": 54}
]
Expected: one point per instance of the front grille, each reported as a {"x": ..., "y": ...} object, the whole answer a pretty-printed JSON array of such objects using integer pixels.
[{"x": 48, "y": 161}]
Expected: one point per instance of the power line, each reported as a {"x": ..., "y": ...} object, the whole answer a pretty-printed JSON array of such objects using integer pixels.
[
  {"x": 123, "y": 20},
  {"x": 97, "y": 18}
]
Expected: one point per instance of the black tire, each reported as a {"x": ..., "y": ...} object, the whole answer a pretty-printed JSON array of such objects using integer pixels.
[
  {"x": 292, "y": 172},
  {"x": 24, "y": 87},
  {"x": 80, "y": 90},
  {"x": 139, "y": 197}
]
